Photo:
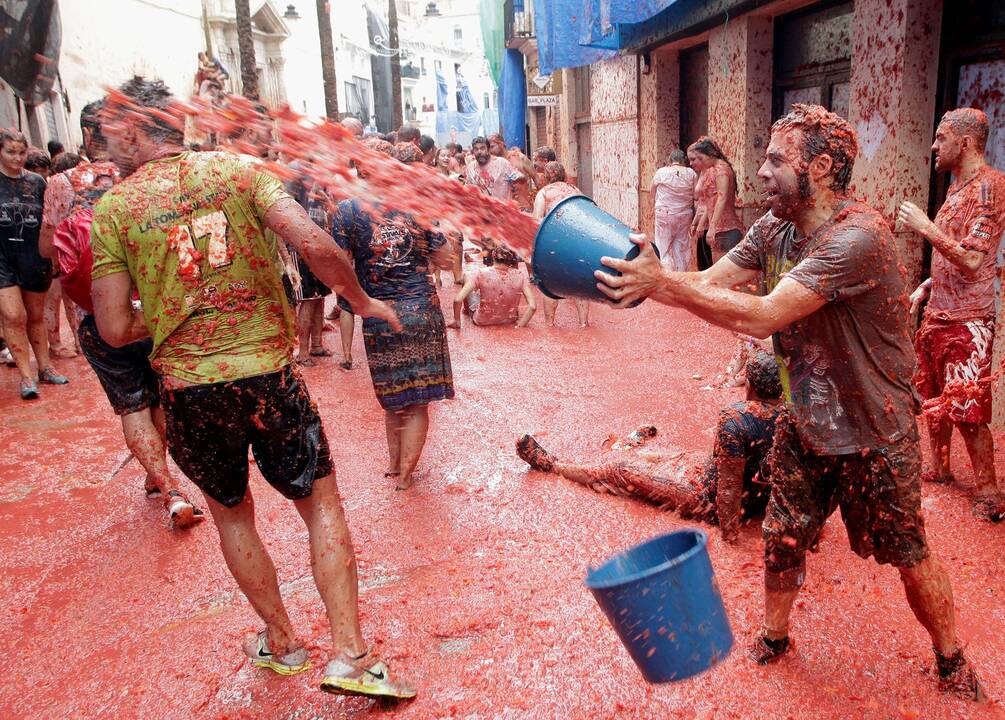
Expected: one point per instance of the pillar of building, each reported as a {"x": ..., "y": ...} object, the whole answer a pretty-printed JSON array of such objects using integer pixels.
[
  {"x": 894, "y": 67},
  {"x": 565, "y": 138},
  {"x": 659, "y": 124},
  {"x": 614, "y": 109},
  {"x": 739, "y": 100}
]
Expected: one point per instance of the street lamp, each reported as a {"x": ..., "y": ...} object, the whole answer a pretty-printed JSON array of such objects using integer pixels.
[{"x": 291, "y": 13}]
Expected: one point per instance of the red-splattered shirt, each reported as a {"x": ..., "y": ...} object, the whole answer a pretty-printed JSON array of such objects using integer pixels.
[
  {"x": 188, "y": 230},
  {"x": 973, "y": 215},
  {"x": 706, "y": 194},
  {"x": 495, "y": 178},
  {"x": 846, "y": 368},
  {"x": 78, "y": 188},
  {"x": 69, "y": 199}
]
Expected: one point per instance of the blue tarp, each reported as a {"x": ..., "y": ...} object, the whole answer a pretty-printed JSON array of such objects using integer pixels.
[
  {"x": 465, "y": 100},
  {"x": 573, "y": 33},
  {"x": 452, "y": 126},
  {"x": 559, "y": 25},
  {"x": 442, "y": 93},
  {"x": 513, "y": 100}
]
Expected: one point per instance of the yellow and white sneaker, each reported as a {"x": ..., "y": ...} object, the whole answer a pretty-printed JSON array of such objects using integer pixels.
[
  {"x": 347, "y": 675},
  {"x": 256, "y": 647}
]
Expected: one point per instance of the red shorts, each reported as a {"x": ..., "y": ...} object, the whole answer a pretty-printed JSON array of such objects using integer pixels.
[{"x": 957, "y": 354}]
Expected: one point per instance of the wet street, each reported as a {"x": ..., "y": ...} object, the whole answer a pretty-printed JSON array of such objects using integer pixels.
[{"x": 472, "y": 581}]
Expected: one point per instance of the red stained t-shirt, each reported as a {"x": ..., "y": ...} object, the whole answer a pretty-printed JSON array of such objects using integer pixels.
[
  {"x": 69, "y": 199},
  {"x": 706, "y": 194},
  {"x": 846, "y": 368},
  {"x": 974, "y": 216}
]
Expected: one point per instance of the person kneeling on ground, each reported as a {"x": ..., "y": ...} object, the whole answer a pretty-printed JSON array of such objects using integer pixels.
[
  {"x": 731, "y": 485},
  {"x": 499, "y": 286}
]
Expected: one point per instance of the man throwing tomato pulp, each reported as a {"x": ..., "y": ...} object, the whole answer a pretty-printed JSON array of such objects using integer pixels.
[{"x": 835, "y": 302}]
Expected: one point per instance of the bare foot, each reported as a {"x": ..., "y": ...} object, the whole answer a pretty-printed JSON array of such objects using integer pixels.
[{"x": 404, "y": 483}]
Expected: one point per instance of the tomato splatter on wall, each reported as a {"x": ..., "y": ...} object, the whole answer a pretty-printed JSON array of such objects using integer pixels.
[
  {"x": 615, "y": 106},
  {"x": 739, "y": 95}
]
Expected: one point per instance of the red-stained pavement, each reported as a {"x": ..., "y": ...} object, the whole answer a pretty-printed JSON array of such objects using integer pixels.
[{"x": 472, "y": 582}]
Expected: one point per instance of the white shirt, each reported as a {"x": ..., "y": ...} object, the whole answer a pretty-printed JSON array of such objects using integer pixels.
[{"x": 674, "y": 186}]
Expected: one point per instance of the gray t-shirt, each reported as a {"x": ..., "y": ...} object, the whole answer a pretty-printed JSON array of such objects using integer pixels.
[{"x": 847, "y": 368}]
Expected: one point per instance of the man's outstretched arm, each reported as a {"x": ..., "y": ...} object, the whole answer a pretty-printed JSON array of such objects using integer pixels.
[
  {"x": 324, "y": 257},
  {"x": 749, "y": 314}
]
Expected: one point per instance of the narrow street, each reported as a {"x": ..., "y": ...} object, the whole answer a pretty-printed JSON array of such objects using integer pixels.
[{"x": 472, "y": 581}]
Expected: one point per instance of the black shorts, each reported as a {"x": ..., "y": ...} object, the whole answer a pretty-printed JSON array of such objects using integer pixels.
[
  {"x": 879, "y": 493},
  {"x": 21, "y": 266},
  {"x": 344, "y": 305},
  {"x": 124, "y": 372},
  {"x": 726, "y": 241},
  {"x": 310, "y": 287},
  {"x": 211, "y": 427}
]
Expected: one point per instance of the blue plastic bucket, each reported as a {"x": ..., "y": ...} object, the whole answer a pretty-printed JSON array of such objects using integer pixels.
[
  {"x": 569, "y": 244},
  {"x": 662, "y": 599}
]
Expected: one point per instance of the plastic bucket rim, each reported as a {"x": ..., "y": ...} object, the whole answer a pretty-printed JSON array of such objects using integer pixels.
[
  {"x": 536, "y": 280},
  {"x": 547, "y": 219},
  {"x": 700, "y": 544}
]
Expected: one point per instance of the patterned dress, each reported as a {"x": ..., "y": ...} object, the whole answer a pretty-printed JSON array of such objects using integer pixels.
[{"x": 392, "y": 260}]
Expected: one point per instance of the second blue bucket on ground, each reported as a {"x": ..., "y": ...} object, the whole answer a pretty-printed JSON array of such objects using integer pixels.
[
  {"x": 663, "y": 601},
  {"x": 569, "y": 244}
]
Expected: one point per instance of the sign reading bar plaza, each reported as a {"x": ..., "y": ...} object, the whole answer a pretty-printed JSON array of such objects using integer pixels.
[
  {"x": 538, "y": 84},
  {"x": 542, "y": 100}
]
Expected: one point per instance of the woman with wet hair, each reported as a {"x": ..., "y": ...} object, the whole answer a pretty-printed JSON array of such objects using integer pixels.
[
  {"x": 494, "y": 292},
  {"x": 25, "y": 276},
  {"x": 715, "y": 198},
  {"x": 395, "y": 259}
]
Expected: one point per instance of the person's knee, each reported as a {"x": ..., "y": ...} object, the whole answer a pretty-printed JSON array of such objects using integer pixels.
[
  {"x": 15, "y": 317},
  {"x": 235, "y": 518}
]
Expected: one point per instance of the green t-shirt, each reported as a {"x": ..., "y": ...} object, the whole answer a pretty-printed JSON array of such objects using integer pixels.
[{"x": 188, "y": 230}]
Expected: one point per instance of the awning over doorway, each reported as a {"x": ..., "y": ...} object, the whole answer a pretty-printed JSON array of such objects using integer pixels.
[{"x": 573, "y": 33}]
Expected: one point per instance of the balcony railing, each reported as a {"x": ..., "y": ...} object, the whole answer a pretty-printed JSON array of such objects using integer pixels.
[
  {"x": 523, "y": 24},
  {"x": 519, "y": 24},
  {"x": 410, "y": 71}
]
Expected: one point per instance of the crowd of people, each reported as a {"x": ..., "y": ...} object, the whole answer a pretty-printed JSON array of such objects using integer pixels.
[{"x": 195, "y": 283}]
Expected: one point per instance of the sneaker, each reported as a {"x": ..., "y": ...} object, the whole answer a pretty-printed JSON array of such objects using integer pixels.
[
  {"x": 956, "y": 676},
  {"x": 29, "y": 390},
  {"x": 534, "y": 455},
  {"x": 183, "y": 513},
  {"x": 346, "y": 675},
  {"x": 256, "y": 647},
  {"x": 765, "y": 651},
  {"x": 51, "y": 377},
  {"x": 6, "y": 358}
]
